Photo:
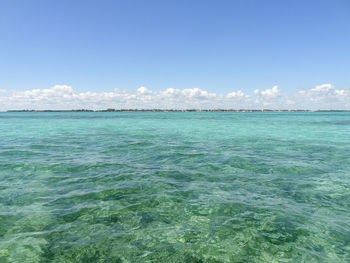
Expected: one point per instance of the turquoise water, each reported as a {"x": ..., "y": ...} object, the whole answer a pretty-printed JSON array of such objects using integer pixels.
[{"x": 174, "y": 187}]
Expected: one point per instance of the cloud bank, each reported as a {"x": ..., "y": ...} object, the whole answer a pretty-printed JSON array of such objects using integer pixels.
[{"x": 63, "y": 97}]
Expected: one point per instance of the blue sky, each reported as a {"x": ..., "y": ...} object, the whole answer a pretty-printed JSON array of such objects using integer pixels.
[{"x": 216, "y": 46}]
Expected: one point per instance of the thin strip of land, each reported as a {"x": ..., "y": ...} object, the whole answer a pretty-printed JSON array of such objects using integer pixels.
[{"x": 177, "y": 110}]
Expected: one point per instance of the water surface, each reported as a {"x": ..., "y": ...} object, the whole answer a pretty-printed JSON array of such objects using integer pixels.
[{"x": 174, "y": 187}]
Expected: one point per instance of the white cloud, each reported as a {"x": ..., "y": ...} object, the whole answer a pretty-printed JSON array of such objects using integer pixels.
[
  {"x": 3, "y": 90},
  {"x": 143, "y": 90},
  {"x": 269, "y": 93},
  {"x": 268, "y": 97},
  {"x": 290, "y": 102},
  {"x": 324, "y": 96}
]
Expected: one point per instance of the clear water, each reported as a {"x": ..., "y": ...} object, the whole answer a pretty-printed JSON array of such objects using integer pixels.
[{"x": 174, "y": 187}]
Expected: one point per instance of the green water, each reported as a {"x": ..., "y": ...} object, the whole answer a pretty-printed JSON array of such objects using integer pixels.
[{"x": 174, "y": 187}]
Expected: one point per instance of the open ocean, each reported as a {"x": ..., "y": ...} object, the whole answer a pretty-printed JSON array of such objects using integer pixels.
[{"x": 175, "y": 187}]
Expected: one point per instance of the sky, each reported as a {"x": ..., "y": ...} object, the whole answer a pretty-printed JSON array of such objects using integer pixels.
[{"x": 62, "y": 54}]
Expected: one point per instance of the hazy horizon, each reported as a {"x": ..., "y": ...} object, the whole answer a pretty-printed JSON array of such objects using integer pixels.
[{"x": 63, "y": 97}]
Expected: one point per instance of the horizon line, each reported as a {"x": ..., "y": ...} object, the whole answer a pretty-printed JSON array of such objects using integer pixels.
[{"x": 179, "y": 110}]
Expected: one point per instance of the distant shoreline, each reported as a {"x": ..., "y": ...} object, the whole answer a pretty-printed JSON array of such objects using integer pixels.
[{"x": 173, "y": 110}]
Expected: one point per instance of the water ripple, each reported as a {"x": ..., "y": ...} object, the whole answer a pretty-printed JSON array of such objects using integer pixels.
[{"x": 174, "y": 187}]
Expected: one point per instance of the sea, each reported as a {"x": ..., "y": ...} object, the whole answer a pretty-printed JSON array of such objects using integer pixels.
[{"x": 174, "y": 187}]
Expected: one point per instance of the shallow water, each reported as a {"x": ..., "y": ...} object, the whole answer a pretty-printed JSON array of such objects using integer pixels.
[{"x": 174, "y": 187}]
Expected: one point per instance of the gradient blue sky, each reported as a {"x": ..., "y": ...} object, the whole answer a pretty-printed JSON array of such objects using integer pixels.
[{"x": 218, "y": 46}]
